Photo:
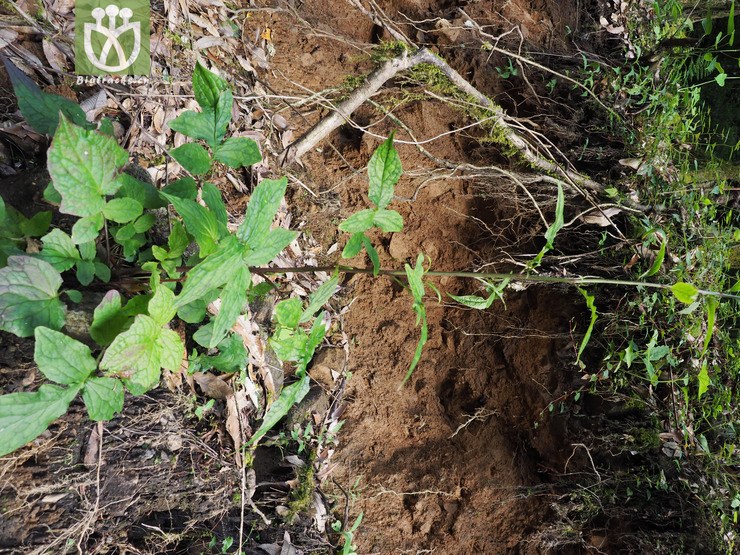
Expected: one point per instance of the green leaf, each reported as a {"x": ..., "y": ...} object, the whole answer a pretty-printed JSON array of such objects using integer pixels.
[
  {"x": 384, "y": 170},
  {"x": 197, "y": 125},
  {"x": 37, "y": 226},
  {"x": 193, "y": 157},
  {"x": 103, "y": 398},
  {"x": 684, "y": 292},
  {"x": 144, "y": 223},
  {"x": 353, "y": 246},
  {"x": 25, "y": 416},
  {"x": 557, "y": 225},
  {"x": 222, "y": 117},
  {"x": 85, "y": 272},
  {"x": 388, "y": 220},
  {"x": 145, "y": 193},
  {"x": 124, "y": 233},
  {"x": 109, "y": 319},
  {"x": 59, "y": 250},
  {"x": 73, "y": 295},
  {"x": 29, "y": 296},
  {"x": 83, "y": 165},
  {"x": 41, "y": 109},
  {"x": 172, "y": 350},
  {"x": 263, "y": 205},
  {"x": 237, "y": 152},
  {"x": 587, "y": 336},
  {"x": 480, "y": 303},
  {"x": 232, "y": 355},
  {"x": 720, "y": 78},
  {"x": 122, "y": 210},
  {"x": 658, "y": 260},
  {"x": 233, "y": 298},
  {"x": 318, "y": 331},
  {"x": 200, "y": 222},
  {"x": 87, "y": 250},
  {"x": 207, "y": 86},
  {"x": 704, "y": 380},
  {"x": 422, "y": 317},
  {"x": 359, "y": 222},
  {"x": 414, "y": 276},
  {"x": 288, "y": 343},
  {"x": 212, "y": 272},
  {"x": 138, "y": 354},
  {"x": 62, "y": 359},
  {"x": 86, "y": 229},
  {"x": 288, "y": 312},
  {"x": 319, "y": 298},
  {"x": 372, "y": 254},
  {"x": 162, "y": 306},
  {"x": 712, "y": 304},
  {"x": 51, "y": 195},
  {"x": 267, "y": 247},
  {"x": 185, "y": 187},
  {"x": 214, "y": 202},
  {"x": 289, "y": 396}
]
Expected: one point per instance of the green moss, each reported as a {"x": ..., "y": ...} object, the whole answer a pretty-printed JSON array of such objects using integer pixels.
[
  {"x": 300, "y": 497},
  {"x": 387, "y": 50}
]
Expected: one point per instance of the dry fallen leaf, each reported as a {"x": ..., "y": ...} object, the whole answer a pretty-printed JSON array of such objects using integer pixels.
[
  {"x": 601, "y": 218},
  {"x": 213, "y": 386}
]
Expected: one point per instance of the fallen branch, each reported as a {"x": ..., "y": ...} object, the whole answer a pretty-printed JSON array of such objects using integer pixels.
[{"x": 390, "y": 69}]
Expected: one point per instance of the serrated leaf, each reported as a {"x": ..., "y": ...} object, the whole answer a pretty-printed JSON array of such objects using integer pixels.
[
  {"x": 315, "y": 337},
  {"x": 135, "y": 355},
  {"x": 288, "y": 343},
  {"x": 684, "y": 292},
  {"x": 389, "y": 221},
  {"x": 124, "y": 233},
  {"x": 122, "y": 210},
  {"x": 59, "y": 250},
  {"x": 185, "y": 187},
  {"x": 41, "y": 109},
  {"x": 83, "y": 166},
  {"x": 359, "y": 222},
  {"x": 62, "y": 359},
  {"x": 263, "y": 205},
  {"x": 172, "y": 350},
  {"x": 29, "y": 296},
  {"x": 36, "y": 226},
  {"x": 193, "y": 157},
  {"x": 212, "y": 272},
  {"x": 25, "y": 416},
  {"x": 288, "y": 312},
  {"x": 145, "y": 193},
  {"x": 319, "y": 298},
  {"x": 372, "y": 254},
  {"x": 238, "y": 152},
  {"x": 384, "y": 170},
  {"x": 289, "y": 396},
  {"x": 109, "y": 319},
  {"x": 162, "y": 306},
  {"x": 207, "y": 86},
  {"x": 214, "y": 202},
  {"x": 267, "y": 247},
  {"x": 87, "y": 229},
  {"x": 232, "y": 355},
  {"x": 233, "y": 298},
  {"x": 103, "y": 398},
  {"x": 200, "y": 222},
  {"x": 353, "y": 246}
]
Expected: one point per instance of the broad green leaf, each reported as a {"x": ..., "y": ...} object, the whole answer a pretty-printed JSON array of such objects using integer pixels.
[
  {"x": 315, "y": 337},
  {"x": 289, "y": 396},
  {"x": 41, "y": 109},
  {"x": 122, "y": 210},
  {"x": 704, "y": 380},
  {"x": 414, "y": 276},
  {"x": 193, "y": 157},
  {"x": 712, "y": 304},
  {"x": 29, "y": 296},
  {"x": 684, "y": 292},
  {"x": 162, "y": 306},
  {"x": 232, "y": 355},
  {"x": 178, "y": 241},
  {"x": 359, "y": 222},
  {"x": 87, "y": 229},
  {"x": 288, "y": 312},
  {"x": 144, "y": 223},
  {"x": 207, "y": 86},
  {"x": 267, "y": 247},
  {"x": 388, "y": 220},
  {"x": 59, "y": 250},
  {"x": 319, "y": 298},
  {"x": 263, "y": 205},
  {"x": 73, "y": 295},
  {"x": 25, "y": 416},
  {"x": 384, "y": 170},
  {"x": 124, "y": 233},
  {"x": 587, "y": 336},
  {"x": 138, "y": 354},
  {"x": 197, "y": 125},
  {"x": 185, "y": 187},
  {"x": 36, "y": 226},
  {"x": 87, "y": 250},
  {"x": 473, "y": 301},
  {"x": 233, "y": 298},
  {"x": 237, "y": 152},
  {"x": 214, "y": 271},
  {"x": 222, "y": 117},
  {"x": 103, "y": 398},
  {"x": 172, "y": 350},
  {"x": 102, "y": 272},
  {"x": 214, "y": 202},
  {"x": 195, "y": 312},
  {"x": 145, "y": 193},
  {"x": 720, "y": 78},
  {"x": 200, "y": 222},
  {"x": 109, "y": 319},
  {"x": 288, "y": 343},
  {"x": 83, "y": 166},
  {"x": 51, "y": 195},
  {"x": 353, "y": 246},
  {"x": 372, "y": 254},
  {"x": 85, "y": 272},
  {"x": 62, "y": 359}
]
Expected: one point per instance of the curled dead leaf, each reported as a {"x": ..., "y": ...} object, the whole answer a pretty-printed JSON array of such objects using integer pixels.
[{"x": 213, "y": 386}]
